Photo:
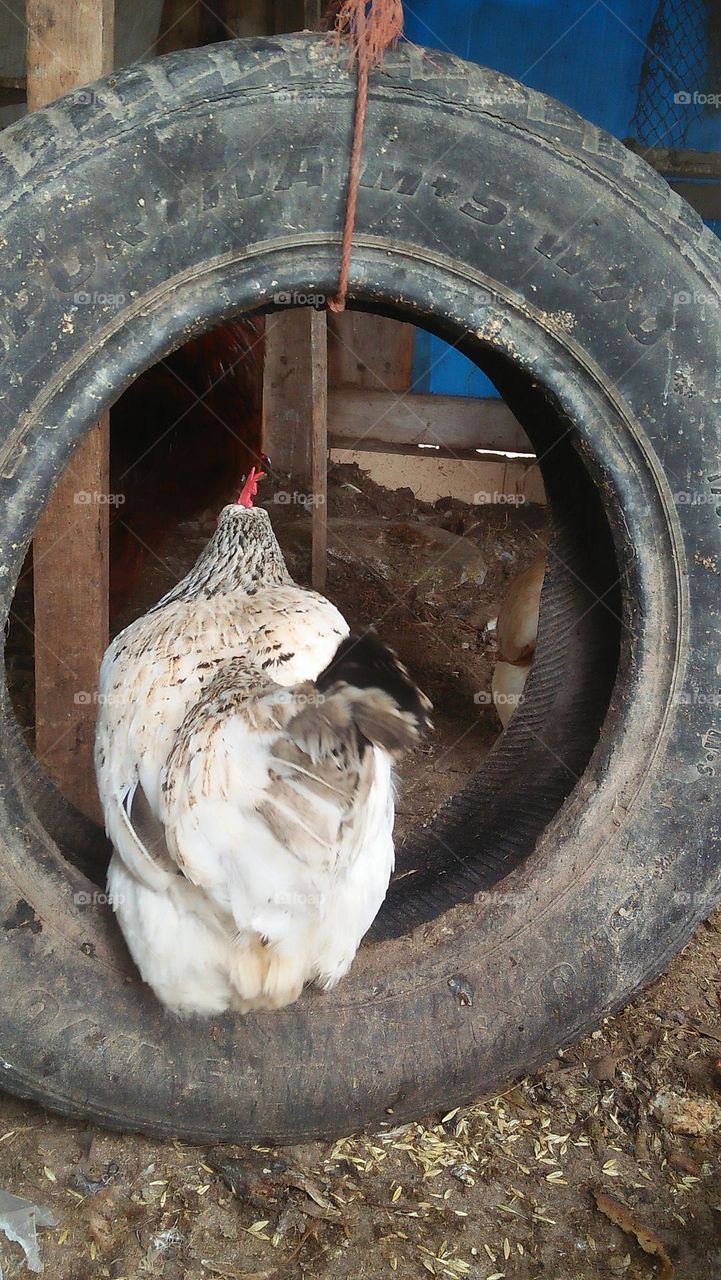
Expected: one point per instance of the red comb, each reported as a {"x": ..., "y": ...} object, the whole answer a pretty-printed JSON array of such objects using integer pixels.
[{"x": 250, "y": 488}]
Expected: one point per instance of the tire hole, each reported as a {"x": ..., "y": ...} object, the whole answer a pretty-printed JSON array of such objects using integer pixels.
[{"x": 511, "y": 786}]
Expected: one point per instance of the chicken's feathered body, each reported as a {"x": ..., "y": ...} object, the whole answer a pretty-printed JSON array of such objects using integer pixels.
[
  {"x": 156, "y": 669},
  {"x": 251, "y": 809}
]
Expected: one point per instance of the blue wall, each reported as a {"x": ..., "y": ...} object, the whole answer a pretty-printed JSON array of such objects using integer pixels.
[{"x": 591, "y": 58}]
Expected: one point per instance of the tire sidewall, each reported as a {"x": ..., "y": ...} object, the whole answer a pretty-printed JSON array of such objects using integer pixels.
[{"x": 187, "y": 210}]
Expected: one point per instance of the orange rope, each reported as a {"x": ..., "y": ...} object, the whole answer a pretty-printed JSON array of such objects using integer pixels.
[{"x": 370, "y": 32}]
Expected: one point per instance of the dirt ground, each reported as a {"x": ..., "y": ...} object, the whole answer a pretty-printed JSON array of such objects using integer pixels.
[{"x": 605, "y": 1163}]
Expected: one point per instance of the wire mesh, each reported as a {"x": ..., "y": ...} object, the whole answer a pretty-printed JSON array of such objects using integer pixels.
[{"x": 675, "y": 76}]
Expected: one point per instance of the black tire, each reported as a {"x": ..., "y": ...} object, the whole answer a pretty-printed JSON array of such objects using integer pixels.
[{"x": 176, "y": 194}]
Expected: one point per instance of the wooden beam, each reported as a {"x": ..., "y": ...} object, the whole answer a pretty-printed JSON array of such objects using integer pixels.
[
  {"x": 433, "y": 476},
  {"x": 13, "y": 90},
  {"x": 376, "y": 419},
  {"x": 289, "y": 15},
  {"x": 249, "y": 17},
  {"x": 288, "y": 393},
  {"x": 70, "y": 42},
  {"x": 686, "y": 163},
  {"x": 313, "y": 14},
  {"x": 319, "y": 446},
  {"x": 181, "y": 26},
  {"x": 295, "y": 410},
  {"x": 704, "y": 197},
  {"x": 369, "y": 351}
]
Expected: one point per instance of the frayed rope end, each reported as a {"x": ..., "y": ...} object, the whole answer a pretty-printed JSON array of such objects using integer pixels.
[{"x": 370, "y": 29}]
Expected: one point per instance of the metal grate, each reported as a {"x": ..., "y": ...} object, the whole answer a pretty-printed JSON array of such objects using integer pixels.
[{"x": 675, "y": 76}]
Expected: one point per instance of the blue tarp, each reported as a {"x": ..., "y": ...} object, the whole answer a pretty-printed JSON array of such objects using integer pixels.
[{"x": 593, "y": 57}]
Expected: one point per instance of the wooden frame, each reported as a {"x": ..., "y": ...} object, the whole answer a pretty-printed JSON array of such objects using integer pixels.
[{"x": 70, "y": 42}]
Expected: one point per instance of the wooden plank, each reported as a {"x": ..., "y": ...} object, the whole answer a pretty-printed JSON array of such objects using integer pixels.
[
  {"x": 250, "y": 17},
  {"x": 369, "y": 351},
  {"x": 295, "y": 410},
  {"x": 181, "y": 26},
  {"x": 388, "y": 449},
  {"x": 319, "y": 446},
  {"x": 313, "y": 15},
  {"x": 13, "y": 90},
  {"x": 289, "y": 15},
  {"x": 511, "y": 483},
  {"x": 704, "y": 197},
  {"x": 680, "y": 164},
  {"x": 271, "y": 17},
  {"x": 288, "y": 393},
  {"x": 70, "y": 42},
  {"x": 375, "y": 420}
]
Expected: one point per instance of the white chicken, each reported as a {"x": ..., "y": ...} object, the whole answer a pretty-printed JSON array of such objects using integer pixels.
[
  {"x": 250, "y": 809},
  {"x": 517, "y": 632}
]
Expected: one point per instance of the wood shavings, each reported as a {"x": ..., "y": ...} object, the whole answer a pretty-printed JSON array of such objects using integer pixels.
[{"x": 680, "y": 1113}]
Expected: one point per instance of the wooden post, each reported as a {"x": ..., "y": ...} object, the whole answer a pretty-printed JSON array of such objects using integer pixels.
[
  {"x": 288, "y": 393},
  {"x": 181, "y": 26},
  {"x": 370, "y": 351},
  {"x": 319, "y": 446},
  {"x": 70, "y": 42},
  {"x": 295, "y": 409},
  {"x": 249, "y": 17},
  {"x": 272, "y": 17},
  {"x": 313, "y": 14}
]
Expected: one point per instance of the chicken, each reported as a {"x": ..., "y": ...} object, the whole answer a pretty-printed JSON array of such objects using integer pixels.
[
  {"x": 516, "y": 632},
  {"x": 181, "y": 438},
  {"x": 238, "y": 599},
  {"x": 244, "y": 767},
  {"x": 278, "y": 808}
]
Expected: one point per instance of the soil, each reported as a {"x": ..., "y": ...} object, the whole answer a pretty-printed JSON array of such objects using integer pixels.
[{"x": 511, "y": 1187}]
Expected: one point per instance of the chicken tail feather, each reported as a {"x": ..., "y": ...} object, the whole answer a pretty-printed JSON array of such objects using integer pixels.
[{"x": 386, "y": 705}]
